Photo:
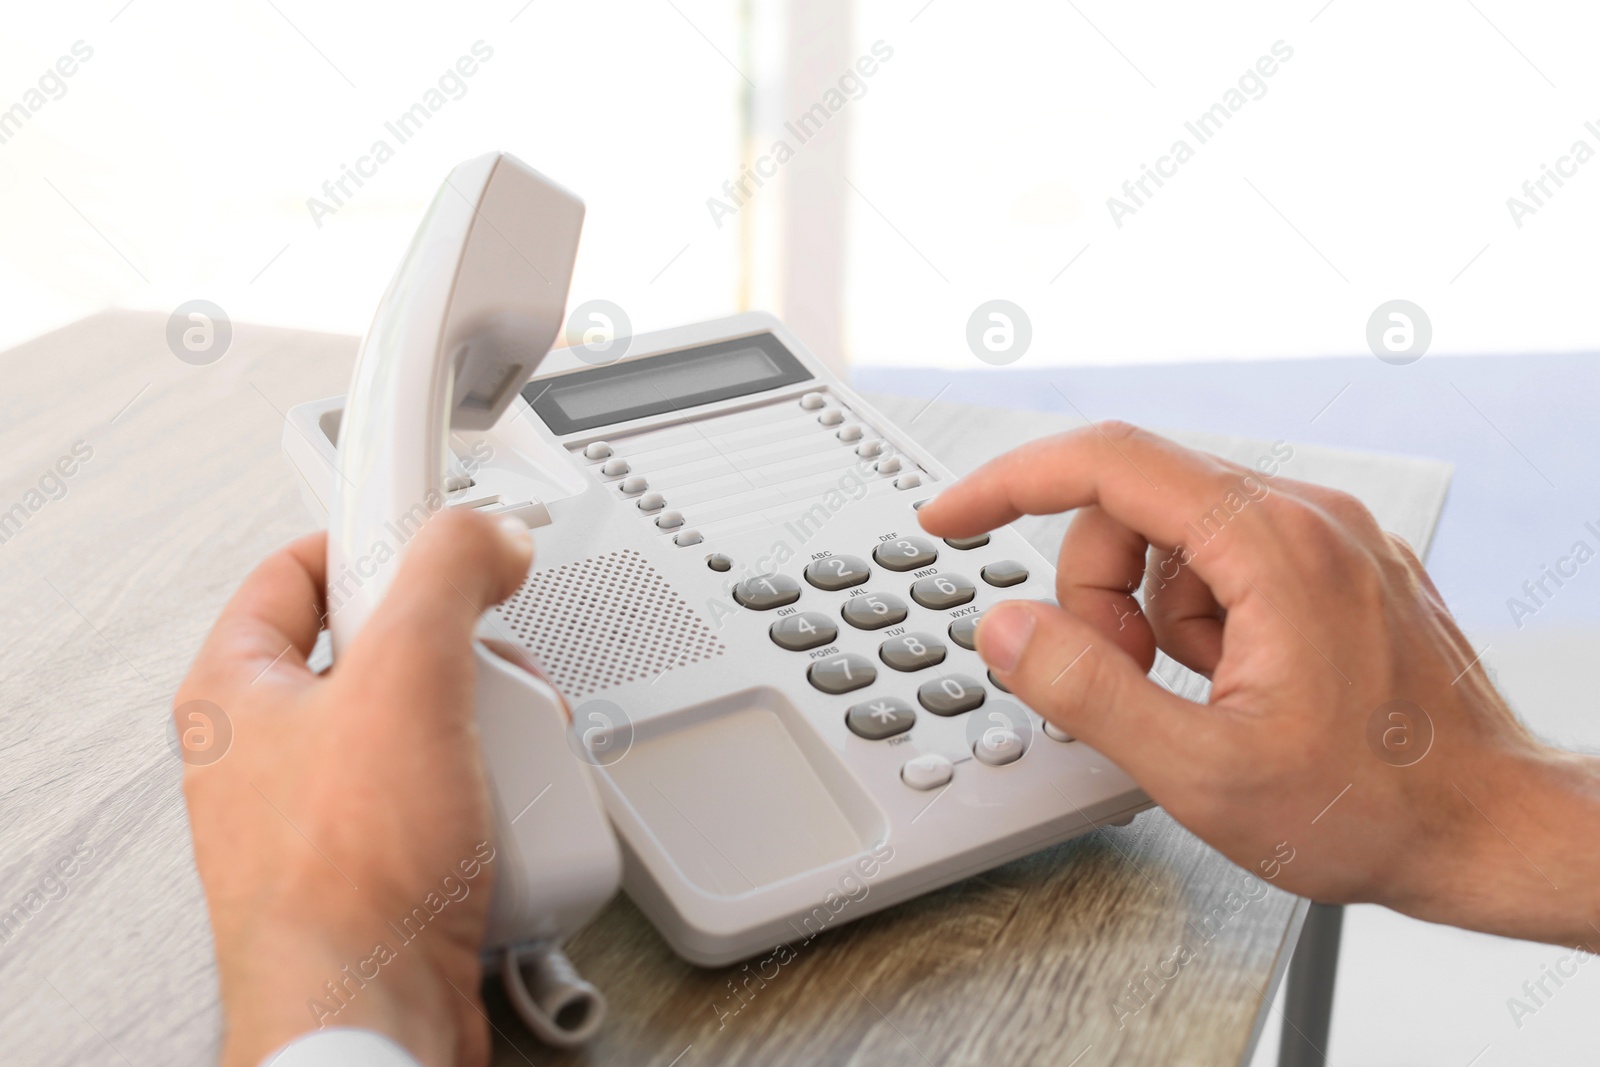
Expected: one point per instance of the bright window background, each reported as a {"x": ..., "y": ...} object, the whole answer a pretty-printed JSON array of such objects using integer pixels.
[
  {"x": 1376, "y": 166},
  {"x": 194, "y": 136},
  {"x": 1390, "y": 140}
]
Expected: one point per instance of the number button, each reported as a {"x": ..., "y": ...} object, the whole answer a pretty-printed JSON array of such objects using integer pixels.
[
  {"x": 1006, "y": 572},
  {"x": 764, "y": 594},
  {"x": 906, "y": 554},
  {"x": 951, "y": 695},
  {"x": 809, "y": 629},
  {"x": 941, "y": 591},
  {"x": 964, "y": 632},
  {"x": 874, "y": 611},
  {"x": 912, "y": 652},
  {"x": 967, "y": 543},
  {"x": 881, "y": 718},
  {"x": 840, "y": 674},
  {"x": 837, "y": 572}
]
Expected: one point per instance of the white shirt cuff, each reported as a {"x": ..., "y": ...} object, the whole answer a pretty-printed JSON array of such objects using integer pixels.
[{"x": 340, "y": 1047}]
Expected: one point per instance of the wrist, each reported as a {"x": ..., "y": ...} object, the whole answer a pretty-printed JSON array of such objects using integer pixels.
[
  {"x": 1520, "y": 864},
  {"x": 289, "y": 979}
]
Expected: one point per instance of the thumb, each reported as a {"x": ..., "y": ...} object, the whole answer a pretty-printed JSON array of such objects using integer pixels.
[
  {"x": 459, "y": 564},
  {"x": 1079, "y": 679}
]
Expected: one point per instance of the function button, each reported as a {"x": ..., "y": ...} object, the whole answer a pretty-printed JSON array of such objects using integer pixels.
[
  {"x": 652, "y": 502},
  {"x": 965, "y": 543},
  {"x": 964, "y": 632},
  {"x": 1004, "y": 573},
  {"x": 942, "y": 591},
  {"x": 905, "y": 554},
  {"x": 615, "y": 468},
  {"x": 831, "y": 417},
  {"x": 596, "y": 450},
  {"x": 838, "y": 572},
  {"x": 719, "y": 562},
  {"x": 692, "y": 537},
  {"x": 850, "y": 433},
  {"x": 908, "y": 481},
  {"x": 997, "y": 683},
  {"x": 877, "y": 719},
  {"x": 927, "y": 771},
  {"x": 998, "y": 747},
  {"x": 668, "y": 520},
  {"x": 809, "y": 629},
  {"x": 812, "y": 401},
  {"x": 912, "y": 652},
  {"x": 889, "y": 466},
  {"x": 874, "y": 611},
  {"x": 636, "y": 484},
  {"x": 1056, "y": 733},
  {"x": 868, "y": 449},
  {"x": 840, "y": 674},
  {"x": 918, "y": 505},
  {"x": 950, "y": 695},
  {"x": 764, "y": 593}
]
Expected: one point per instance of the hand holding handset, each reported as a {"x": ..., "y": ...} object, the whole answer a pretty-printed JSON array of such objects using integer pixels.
[{"x": 473, "y": 308}]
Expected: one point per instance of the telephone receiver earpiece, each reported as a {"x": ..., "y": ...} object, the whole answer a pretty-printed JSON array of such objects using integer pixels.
[{"x": 472, "y": 310}]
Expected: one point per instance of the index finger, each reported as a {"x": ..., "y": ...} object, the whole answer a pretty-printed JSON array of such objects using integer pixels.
[
  {"x": 1149, "y": 484},
  {"x": 270, "y": 623}
]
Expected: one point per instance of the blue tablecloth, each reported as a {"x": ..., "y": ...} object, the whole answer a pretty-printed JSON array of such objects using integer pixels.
[{"x": 1522, "y": 432}]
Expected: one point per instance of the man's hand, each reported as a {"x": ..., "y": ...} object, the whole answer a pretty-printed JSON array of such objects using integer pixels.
[
  {"x": 1349, "y": 727},
  {"x": 343, "y": 836}
]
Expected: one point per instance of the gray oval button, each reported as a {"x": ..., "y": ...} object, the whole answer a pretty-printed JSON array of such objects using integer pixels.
[
  {"x": 1005, "y": 572},
  {"x": 809, "y": 629},
  {"x": 837, "y": 572},
  {"x": 912, "y": 652},
  {"x": 905, "y": 553},
  {"x": 881, "y": 718},
  {"x": 942, "y": 591},
  {"x": 764, "y": 594},
  {"x": 840, "y": 674},
  {"x": 964, "y": 632},
  {"x": 953, "y": 694},
  {"x": 874, "y": 611}
]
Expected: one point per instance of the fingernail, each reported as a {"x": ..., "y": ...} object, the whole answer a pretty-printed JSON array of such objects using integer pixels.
[
  {"x": 1003, "y": 635},
  {"x": 517, "y": 535}
]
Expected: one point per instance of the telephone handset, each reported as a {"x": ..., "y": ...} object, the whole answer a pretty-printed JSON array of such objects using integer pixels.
[{"x": 473, "y": 308}]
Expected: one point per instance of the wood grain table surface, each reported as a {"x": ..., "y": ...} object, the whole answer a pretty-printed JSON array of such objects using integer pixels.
[{"x": 178, "y": 488}]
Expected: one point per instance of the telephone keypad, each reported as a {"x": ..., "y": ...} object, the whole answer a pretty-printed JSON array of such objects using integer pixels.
[
  {"x": 841, "y": 674},
  {"x": 912, "y": 652},
  {"x": 809, "y": 629},
  {"x": 905, "y": 553},
  {"x": 833, "y": 573},
  {"x": 874, "y": 611},
  {"x": 943, "y": 591},
  {"x": 880, "y": 718},
  {"x": 766, "y": 593}
]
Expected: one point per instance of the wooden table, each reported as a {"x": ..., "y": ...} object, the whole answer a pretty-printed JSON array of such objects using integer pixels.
[{"x": 113, "y": 580}]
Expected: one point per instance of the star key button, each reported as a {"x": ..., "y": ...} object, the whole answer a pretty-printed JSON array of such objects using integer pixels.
[{"x": 881, "y": 718}]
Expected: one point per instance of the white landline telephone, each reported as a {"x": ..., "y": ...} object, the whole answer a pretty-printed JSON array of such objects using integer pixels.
[{"x": 776, "y": 703}]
